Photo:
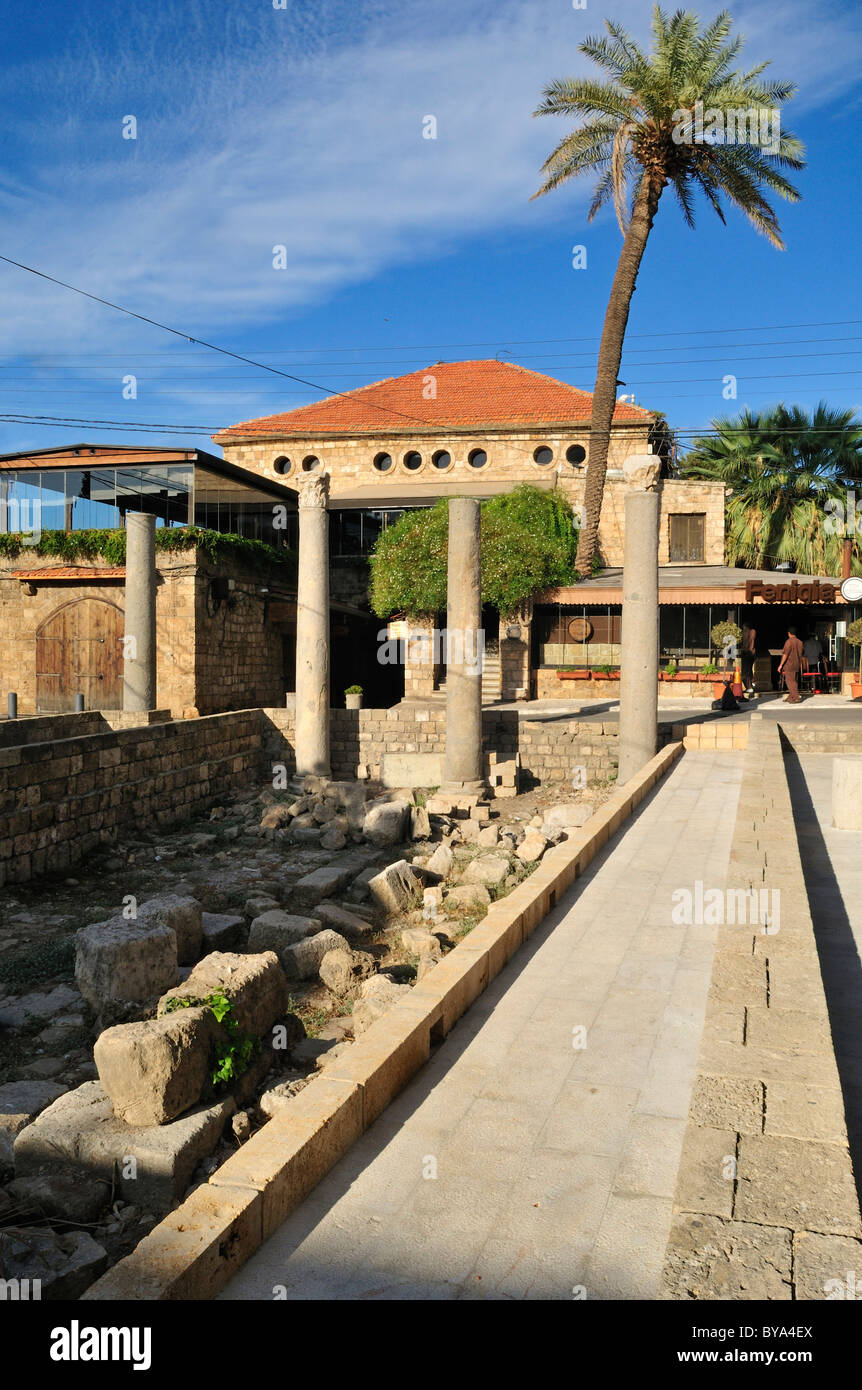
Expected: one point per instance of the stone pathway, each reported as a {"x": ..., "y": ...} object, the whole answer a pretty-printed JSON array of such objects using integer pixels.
[{"x": 519, "y": 1164}]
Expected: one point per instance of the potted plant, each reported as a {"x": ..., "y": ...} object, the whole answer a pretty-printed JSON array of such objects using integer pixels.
[
  {"x": 854, "y": 637},
  {"x": 707, "y": 672},
  {"x": 669, "y": 671},
  {"x": 605, "y": 673},
  {"x": 353, "y": 697},
  {"x": 573, "y": 673}
]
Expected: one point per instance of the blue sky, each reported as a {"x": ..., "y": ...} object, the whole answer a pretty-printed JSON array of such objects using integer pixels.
[{"x": 302, "y": 127}]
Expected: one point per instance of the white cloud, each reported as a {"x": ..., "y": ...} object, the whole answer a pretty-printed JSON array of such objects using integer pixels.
[{"x": 307, "y": 135}]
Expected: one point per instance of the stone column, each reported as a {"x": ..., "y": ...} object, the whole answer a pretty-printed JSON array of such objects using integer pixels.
[
  {"x": 639, "y": 666},
  {"x": 515, "y": 646},
  {"x": 464, "y": 763},
  {"x": 139, "y": 640},
  {"x": 847, "y": 793},
  {"x": 312, "y": 628}
]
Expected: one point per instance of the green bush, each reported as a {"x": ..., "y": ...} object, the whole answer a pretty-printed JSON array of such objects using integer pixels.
[{"x": 528, "y": 544}]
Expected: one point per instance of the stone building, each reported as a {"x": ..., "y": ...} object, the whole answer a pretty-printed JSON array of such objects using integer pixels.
[
  {"x": 224, "y": 626},
  {"x": 477, "y": 428}
]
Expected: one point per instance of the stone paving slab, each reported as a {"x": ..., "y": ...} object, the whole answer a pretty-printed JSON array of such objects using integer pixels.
[{"x": 521, "y": 1163}]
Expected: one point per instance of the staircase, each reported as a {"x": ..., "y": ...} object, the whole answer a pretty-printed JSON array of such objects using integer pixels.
[{"x": 492, "y": 681}]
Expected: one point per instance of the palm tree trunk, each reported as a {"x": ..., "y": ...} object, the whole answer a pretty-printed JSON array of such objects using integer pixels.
[{"x": 608, "y": 367}]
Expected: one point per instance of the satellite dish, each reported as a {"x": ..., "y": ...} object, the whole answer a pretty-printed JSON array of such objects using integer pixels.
[{"x": 851, "y": 589}]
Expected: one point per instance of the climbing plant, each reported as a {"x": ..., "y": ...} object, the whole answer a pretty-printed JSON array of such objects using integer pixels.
[
  {"x": 528, "y": 544},
  {"x": 111, "y": 546}
]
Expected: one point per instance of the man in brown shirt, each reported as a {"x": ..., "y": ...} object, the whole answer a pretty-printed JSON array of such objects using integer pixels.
[{"x": 791, "y": 665}]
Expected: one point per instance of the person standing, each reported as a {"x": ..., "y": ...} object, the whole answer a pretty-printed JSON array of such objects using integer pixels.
[
  {"x": 791, "y": 665},
  {"x": 749, "y": 638}
]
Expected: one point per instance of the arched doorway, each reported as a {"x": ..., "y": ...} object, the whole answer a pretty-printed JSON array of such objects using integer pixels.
[{"x": 79, "y": 651}]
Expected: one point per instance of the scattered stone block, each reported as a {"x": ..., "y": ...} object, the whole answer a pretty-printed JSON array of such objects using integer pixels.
[
  {"x": 152, "y": 1166},
  {"x": 333, "y": 837},
  {"x": 254, "y": 984},
  {"x": 22, "y": 1101},
  {"x": 121, "y": 960},
  {"x": 570, "y": 816},
  {"x": 386, "y": 823},
  {"x": 532, "y": 847},
  {"x": 489, "y": 869},
  {"x": 420, "y": 942},
  {"x": 349, "y": 924},
  {"x": 65, "y": 1265},
  {"x": 342, "y": 970},
  {"x": 183, "y": 916},
  {"x": 40, "y": 1004},
  {"x": 258, "y": 904},
  {"x": 156, "y": 1070},
  {"x": 420, "y": 824},
  {"x": 321, "y": 883},
  {"x": 276, "y": 817},
  {"x": 397, "y": 888},
  {"x": 441, "y": 861},
  {"x": 276, "y": 930},
  {"x": 488, "y": 837},
  {"x": 70, "y": 1195},
  {"x": 221, "y": 931},
  {"x": 377, "y": 996},
  {"x": 468, "y": 897},
  {"x": 302, "y": 960}
]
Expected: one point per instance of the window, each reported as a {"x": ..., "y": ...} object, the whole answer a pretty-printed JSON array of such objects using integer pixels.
[
  {"x": 543, "y": 455},
  {"x": 412, "y": 460},
  {"x": 576, "y": 453},
  {"x": 310, "y": 462},
  {"x": 477, "y": 458},
  {"x": 383, "y": 462},
  {"x": 686, "y": 537},
  {"x": 441, "y": 459},
  {"x": 282, "y": 465}
]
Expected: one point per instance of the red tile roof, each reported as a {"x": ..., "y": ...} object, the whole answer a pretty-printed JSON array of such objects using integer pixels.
[
  {"x": 85, "y": 572},
  {"x": 467, "y": 395}
]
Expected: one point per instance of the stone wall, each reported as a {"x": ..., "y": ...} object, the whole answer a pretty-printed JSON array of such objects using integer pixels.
[
  {"x": 549, "y": 751},
  {"x": 14, "y": 732},
  {"x": 211, "y": 656},
  {"x": 60, "y": 799}
]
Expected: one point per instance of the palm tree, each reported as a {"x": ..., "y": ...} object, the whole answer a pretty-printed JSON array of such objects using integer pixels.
[
  {"x": 642, "y": 130},
  {"x": 783, "y": 467}
]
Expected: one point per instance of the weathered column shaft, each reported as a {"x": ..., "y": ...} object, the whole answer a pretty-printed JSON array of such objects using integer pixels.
[
  {"x": 464, "y": 637},
  {"x": 139, "y": 642},
  {"x": 312, "y": 629},
  {"x": 640, "y": 638}
]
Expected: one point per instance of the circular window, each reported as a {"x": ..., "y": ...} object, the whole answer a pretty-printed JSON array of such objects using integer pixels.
[
  {"x": 441, "y": 459},
  {"x": 576, "y": 453},
  {"x": 543, "y": 455},
  {"x": 580, "y": 629},
  {"x": 477, "y": 458},
  {"x": 310, "y": 462},
  {"x": 383, "y": 462},
  {"x": 282, "y": 465},
  {"x": 412, "y": 460}
]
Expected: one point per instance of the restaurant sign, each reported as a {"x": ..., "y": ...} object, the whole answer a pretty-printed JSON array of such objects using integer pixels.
[{"x": 758, "y": 592}]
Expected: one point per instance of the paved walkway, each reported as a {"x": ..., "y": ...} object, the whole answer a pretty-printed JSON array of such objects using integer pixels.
[{"x": 555, "y": 1165}]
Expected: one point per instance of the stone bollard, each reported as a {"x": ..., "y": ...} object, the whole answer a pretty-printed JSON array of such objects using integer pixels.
[{"x": 847, "y": 793}]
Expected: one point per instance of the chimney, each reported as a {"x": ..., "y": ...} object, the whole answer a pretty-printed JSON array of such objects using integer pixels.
[{"x": 847, "y": 559}]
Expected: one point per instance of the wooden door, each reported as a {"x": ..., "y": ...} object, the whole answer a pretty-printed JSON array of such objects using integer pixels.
[{"x": 79, "y": 651}]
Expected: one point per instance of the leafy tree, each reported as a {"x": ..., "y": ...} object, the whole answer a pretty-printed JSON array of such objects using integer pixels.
[
  {"x": 528, "y": 543},
  {"x": 639, "y": 132},
  {"x": 788, "y": 473}
]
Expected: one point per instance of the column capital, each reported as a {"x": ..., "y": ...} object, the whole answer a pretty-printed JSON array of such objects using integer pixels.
[
  {"x": 642, "y": 472},
  {"x": 313, "y": 490}
]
